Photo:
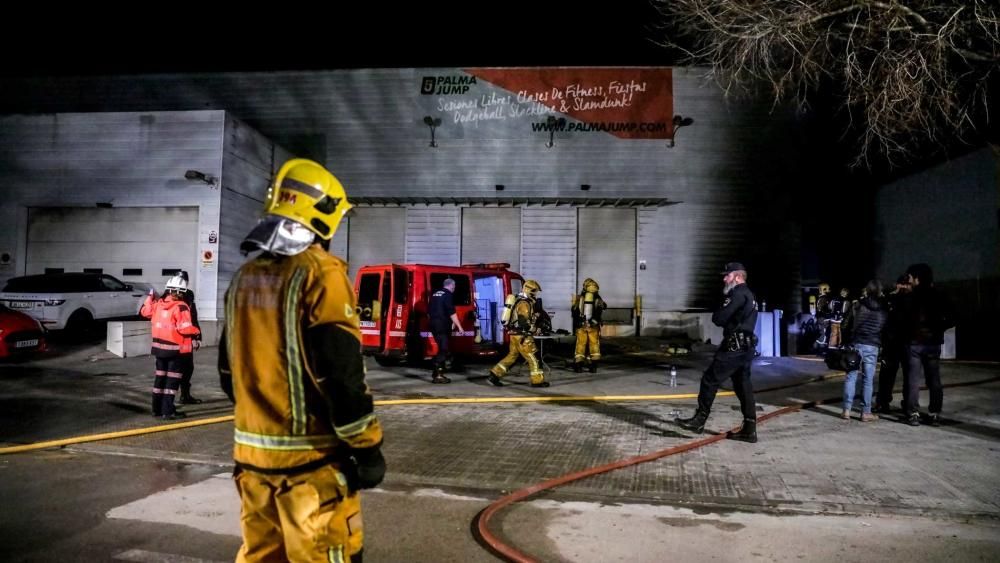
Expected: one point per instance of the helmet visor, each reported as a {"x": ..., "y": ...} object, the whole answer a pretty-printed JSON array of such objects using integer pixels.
[{"x": 278, "y": 235}]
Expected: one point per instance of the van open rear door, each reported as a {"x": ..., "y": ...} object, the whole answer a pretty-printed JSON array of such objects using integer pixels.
[
  {"x": 398, "y": 313},
  {"x": 370, "y": 303}
]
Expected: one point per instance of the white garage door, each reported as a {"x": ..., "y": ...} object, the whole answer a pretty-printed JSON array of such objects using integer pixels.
[{"x": 129, "y": 243}]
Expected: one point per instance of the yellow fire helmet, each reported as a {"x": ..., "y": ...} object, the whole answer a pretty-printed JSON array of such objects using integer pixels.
[
  {"x": 310, "y": 195},
  {"x": 590, "y": 285},
  {"x": 824, "y": 288},
  {"x": 531, "y": 287}
]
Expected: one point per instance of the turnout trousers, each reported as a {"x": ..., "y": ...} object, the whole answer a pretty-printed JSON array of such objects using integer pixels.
[{"x": 309, "y": 516}]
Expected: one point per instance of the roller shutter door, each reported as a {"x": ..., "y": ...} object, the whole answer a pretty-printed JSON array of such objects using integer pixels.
[
  {"x": 491, "y": 235},
  {"x": 129, "y": 243},
  {"x": 606, "y": 252},
  {"x": 375, "y": 235}
]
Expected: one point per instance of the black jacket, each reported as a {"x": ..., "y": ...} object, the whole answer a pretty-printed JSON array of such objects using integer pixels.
[
  {"x": 865, "y": 322},
  {"x": 926, "y": 313},
  {"x": 738, "y": 312},
  {"x": 440, "y": 309},
  {"x": 189, "y": 299}
]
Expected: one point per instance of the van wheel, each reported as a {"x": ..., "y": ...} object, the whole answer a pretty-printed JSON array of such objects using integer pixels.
[
  {"x": 386, "y": 361},
  {"x": 80, "y": 323}
]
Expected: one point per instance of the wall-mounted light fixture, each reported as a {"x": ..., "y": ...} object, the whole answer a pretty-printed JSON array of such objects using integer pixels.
[
  {"x": 207, "y": 178},
  {"x": 678, "y": 123},
  {"x": 499, "y": 187},
  {"x": 554, "y": 124},
  {"x": 433, "y": 123},
  {"x": 585, "y": 187}
]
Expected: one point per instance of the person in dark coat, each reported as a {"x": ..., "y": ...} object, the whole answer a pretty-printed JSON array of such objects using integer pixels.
[
  {"x": 926, "y": 314},
  {"x": 892, "y": 348},
  {"x": 737, "y": 317},
  {"x": 863, "y": 327},
  {"x": 187, "y": 363},
  {"x": 443, "y": 316}
]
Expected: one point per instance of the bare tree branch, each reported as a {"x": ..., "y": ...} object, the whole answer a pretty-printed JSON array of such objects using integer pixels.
[{"x": 908, "y": 73}]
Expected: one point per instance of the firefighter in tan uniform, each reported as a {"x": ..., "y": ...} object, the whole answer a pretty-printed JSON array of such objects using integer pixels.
[
  {"x": 521, "y": 326},
  {"x": 306, "y": 435},
  {"x": 587, "y": 309}
]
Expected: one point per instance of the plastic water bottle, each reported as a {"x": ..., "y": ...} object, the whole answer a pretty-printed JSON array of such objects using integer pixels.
[{"x": 673, "y": 376}]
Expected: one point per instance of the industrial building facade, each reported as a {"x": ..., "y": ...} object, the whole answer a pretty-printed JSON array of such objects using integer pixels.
[{"x": 642, "y": 178}]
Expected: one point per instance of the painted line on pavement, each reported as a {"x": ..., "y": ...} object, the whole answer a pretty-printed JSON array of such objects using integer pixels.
[
  {"x": 392, "y": 402},
  {"x": 113, "y": 435}
]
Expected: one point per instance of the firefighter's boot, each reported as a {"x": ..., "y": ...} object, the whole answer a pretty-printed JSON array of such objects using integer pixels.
[
  {"x": 696, "y": 423},
  {"x": 439, "y": 376},
  {"x": 593, "y": 366},
  {"x": 746, "y": 433},
  {"x": 578, "y": 366},
  {"x": 187, "y": 398},
  {"x": 494, "y": 379}
]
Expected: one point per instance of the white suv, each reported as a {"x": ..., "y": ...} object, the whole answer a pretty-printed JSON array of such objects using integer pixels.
[{"x": 72, "y": 300}]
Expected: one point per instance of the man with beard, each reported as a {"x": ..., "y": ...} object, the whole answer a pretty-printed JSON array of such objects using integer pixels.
[{"x": 737, "y": 317}]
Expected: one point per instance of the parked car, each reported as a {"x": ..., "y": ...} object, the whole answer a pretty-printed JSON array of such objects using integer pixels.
[
  {"x": 72, "y": 300},
  {"x": 19, "y": 333}
]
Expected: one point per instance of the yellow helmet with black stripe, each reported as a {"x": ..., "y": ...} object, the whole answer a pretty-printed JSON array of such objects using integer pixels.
[{"x": 307, "y": 193}]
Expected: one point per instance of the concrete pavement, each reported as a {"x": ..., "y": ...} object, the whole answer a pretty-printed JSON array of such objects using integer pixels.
[{"x": 811, "y": 474}]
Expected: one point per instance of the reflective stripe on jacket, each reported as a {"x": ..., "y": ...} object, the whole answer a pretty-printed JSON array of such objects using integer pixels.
[
  {"x": 292, "y": 410},
  {"x": 172, "y": 328}
]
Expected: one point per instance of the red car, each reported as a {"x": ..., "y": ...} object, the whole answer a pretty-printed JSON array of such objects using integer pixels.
[{"x": 19, "y": 333}]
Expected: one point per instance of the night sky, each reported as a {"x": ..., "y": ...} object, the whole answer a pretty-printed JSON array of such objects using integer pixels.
[{"x": 448, "y": 34}]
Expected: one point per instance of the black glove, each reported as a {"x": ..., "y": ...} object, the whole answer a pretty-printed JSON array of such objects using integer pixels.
[{"x": 366, "y": 470}]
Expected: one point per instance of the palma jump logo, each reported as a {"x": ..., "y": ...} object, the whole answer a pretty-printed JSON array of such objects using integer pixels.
[{"x": 446, "y": 85}]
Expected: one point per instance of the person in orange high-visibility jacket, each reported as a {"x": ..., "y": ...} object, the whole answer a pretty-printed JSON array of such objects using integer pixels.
[
  {"x": 173, "y": 331},
  {"x": 306, "y": 435}
]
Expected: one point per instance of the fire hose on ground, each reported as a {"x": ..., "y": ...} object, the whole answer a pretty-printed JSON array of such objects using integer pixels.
[{"x": 480, "y": 525}]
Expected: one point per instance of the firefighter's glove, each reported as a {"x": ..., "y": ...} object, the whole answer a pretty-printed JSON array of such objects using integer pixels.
[{"x": 368, "y": 468}]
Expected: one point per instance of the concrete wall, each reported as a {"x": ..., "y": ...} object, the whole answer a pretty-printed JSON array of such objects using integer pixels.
[{"x": 249, "y": 162}]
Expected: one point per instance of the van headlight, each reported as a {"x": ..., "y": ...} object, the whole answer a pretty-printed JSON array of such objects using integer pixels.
[{"x": 54, "y": 302}]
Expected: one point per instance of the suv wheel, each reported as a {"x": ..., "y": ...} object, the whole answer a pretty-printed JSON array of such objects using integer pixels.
[{"x": 80, "y": 323}]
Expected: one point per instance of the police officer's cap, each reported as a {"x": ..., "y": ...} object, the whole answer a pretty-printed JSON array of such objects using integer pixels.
[{"x": 733, "y": 267}]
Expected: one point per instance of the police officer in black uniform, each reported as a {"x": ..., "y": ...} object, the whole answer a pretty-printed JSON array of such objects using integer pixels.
[
  {"x": 737, "y": 317},
  {"x": 443, "y": 316}
]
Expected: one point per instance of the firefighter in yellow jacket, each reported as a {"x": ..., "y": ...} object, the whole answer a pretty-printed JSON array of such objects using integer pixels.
[
  {"x": 587, "y": 309},
  {"x": 521, "y": 325},
  {"x": 306, "y": 435}
]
